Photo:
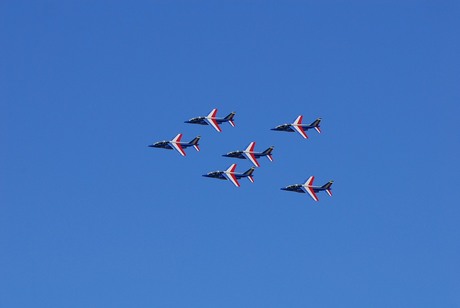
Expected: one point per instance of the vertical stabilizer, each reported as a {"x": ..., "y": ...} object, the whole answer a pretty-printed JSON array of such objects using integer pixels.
[
  {"x": 229, "y": 118},
  {"x": 249, "y": 173},
  {"x": 195, "y": 144},
  {"x": 315, "y": 124},
  {"x": 268, "y": 153},
  {"x": 327, "y": 187}
]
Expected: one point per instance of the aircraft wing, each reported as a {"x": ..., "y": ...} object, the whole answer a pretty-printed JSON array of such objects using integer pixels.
[
  {"x": 309, "y": 181},
  {"x": 297, "y": 126},
  {"x": 214, "y": 124},
  {"x": 249, "y": 153},
  {"x": 300, "y": 130},
  {"x": 310, "y": 191},
  {"x": 252, "y": 158},
  {"x": 211, "y": 120},
  {"x": 175, "y": 143},
  {"x": 178, "y": 147},
  {"x": 307, "y": 187},
  {"x": 231, "y": 177}
]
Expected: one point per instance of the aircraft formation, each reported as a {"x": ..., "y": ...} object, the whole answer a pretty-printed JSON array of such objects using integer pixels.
[{"x": 249, "y": 153}]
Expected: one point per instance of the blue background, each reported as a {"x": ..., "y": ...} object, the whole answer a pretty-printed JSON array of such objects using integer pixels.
[{"x": 91, "y": 217}]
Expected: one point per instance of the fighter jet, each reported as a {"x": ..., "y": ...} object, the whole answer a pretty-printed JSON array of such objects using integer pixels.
[
  {"x": 176, "y": 144},
  {"x": 231, "y": 175},
  {"x": 309, "y": 188},
  {"x": 250, "y": 154},
  {"x": 297, "y": 126},
  {"x": 212, "y": 120}
]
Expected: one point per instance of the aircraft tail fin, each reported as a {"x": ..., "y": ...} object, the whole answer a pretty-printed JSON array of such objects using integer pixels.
[
  {"x": 327, "y": 187},
  {"x": 229, "y": 118},
  {"x": 268, "y": 153},
  {"x": 195, "y": 144},
  {"x": 315, "y": 124},
  {"x": 249, "y": 173}
]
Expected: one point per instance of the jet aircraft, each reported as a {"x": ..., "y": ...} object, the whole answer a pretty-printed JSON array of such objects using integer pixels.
[
  {"x": 176, "y": 144},
  {"x": 212, "y": 120},
  {"x": 250, "y": 154},
  {"x": 308, "y": 187},
  {"x": 297, "y": 126},
  {"x": 231, "y": 175}
]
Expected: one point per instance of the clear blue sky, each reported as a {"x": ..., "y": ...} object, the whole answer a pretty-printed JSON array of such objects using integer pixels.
[{"x": 91, "y": 217}]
